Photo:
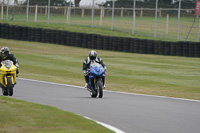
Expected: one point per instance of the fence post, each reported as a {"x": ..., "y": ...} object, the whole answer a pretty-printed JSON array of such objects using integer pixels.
[
  {"x": 141, "y": 12},
  {"x": 133, "y": 26},
  {"x": 101, "y": 16},
  {"x": 179, "y": 14},
  {"x": 92, "y": 13},
  {"x": 160, "y": 12},
  {"x": 199, "y": 30},
  {"x": 156, "y": 18},
  {"x": 36, "y": 10},
  {"x": 2, "y": 11},
  {"x": 122, "y": 11},
  {"x": 167, "y": 23},
  {"x": 48, "y": 11},
  {"x": 27, "y": 11},
  {"x": 7, "y": 11},
  {"x": 65, "y": 11},
  {"x": 69, "y": 13},
  {"x": 103, "y": 13},
  {"x": 83, "y": 12},
  {"x": 46, "y": 7},
  {"x": 113, "y": 10}
]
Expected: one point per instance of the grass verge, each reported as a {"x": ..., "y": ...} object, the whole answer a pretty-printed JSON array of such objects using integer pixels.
[{"x": 24, "y": 117}]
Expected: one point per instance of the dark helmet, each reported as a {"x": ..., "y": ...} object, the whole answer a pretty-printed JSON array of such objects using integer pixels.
[
  {"x": 4, "y": 52},
  {"x": 93, "y": 55}
]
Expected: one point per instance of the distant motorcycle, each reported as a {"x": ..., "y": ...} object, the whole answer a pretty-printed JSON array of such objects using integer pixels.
[
  {"x": 96, "y": 75},
  {"x": 7, "y": 77}
]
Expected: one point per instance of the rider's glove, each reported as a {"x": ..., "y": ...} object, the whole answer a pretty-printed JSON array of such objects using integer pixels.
[
  {"x": 105, "y": 68},
  {"x": 84, "y": 71}
]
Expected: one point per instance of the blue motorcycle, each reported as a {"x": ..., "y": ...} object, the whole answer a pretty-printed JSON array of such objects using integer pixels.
[{"x": 97, "y": 79}]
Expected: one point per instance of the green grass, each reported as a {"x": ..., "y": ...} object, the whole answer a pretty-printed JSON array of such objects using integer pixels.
[
  {"x": 25, "y": 117},
  {"x": 127, "y": 72}
]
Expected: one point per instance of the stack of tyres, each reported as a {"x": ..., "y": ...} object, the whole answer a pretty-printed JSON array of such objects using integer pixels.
[
  {"x": 173, "y": 48},
  {"x": 143, "y": 46},
  {"x": 18, "y": 32},
  {"x": 25, "y": 33},
  {"x": 58, "y": 37},
  {"x": 79, "y": 39},
  {"x": 38, "y": 33},
  {"x": 43, "y": 35},
  {"x": 73, "y": 38},
  {"x": 29, "y": 33},
  {"x": 126, "y": 44},
  {"x": 63, "y": 37},
  {"x": 120, "y": 44},
  {"x": 85, "y": 41},
  {"x": 167, "y": 48},
  {"x": 136, "y": 46},
  {"x": 7, "y": 31},
  {"x": 68, "y": 39},
  {"x": 156, "y": 47},
  {"x": 196, "y": 49},
  {"x": 111, "y": 42},
  {"x": 106, "y": 42},
  {"x": 12, "y": 32},
  {"x": 132, "y": 40},
  {"x": 179, "y": 48},
  {"x": 48, "y": 36},
  {"x": 185, "y": 49},
  {"x": 150, "y": 47},
  {"x": 3, "y": 30},
  {"x": 191, "y": 49},
  {"x": 115, "y": 43},
  {"x": 53, "y": 36},
  {"x": 162, "y": 48},
  {"x": 33, "y": 34},
  {"x": 0, "y": 29},
  {"x": 94, "y": 41},
  {"x": 99, "y": 42},
  {"x": 89, "y": 40}
]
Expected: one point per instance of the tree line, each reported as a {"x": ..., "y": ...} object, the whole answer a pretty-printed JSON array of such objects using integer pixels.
[{"x": 122, "y": 3}]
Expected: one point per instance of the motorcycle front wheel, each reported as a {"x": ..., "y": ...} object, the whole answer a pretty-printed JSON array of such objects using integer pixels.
[
  {"x": 99, "y": 88},
  {"x": 10, "y": 86}
]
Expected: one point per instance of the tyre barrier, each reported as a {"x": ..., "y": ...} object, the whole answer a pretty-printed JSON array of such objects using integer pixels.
[
  {"x": 106, "y": 43},
  {"x": 95, "y": 41},
  {"x": 136, "y": 45},
  {"x": 63, "y": 38},
  {"x": 99, "y": 42},
  {"x": 126, "y": 44},
  {"x": 85, "y": 41},
  {"x": 150, "y": 47},
  {"x": 191, "y": 49}
]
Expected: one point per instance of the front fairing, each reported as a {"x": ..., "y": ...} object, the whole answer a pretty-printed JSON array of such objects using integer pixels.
[
  {"x": 8, "y": 69},
  {"x": 96, "y": 70}
]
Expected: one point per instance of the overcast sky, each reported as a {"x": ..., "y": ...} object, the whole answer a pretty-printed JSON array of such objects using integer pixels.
[{"x": 89, "y": 2}]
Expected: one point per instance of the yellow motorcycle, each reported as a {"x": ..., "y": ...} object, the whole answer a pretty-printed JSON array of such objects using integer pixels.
[{"x": 7, "y": 77}]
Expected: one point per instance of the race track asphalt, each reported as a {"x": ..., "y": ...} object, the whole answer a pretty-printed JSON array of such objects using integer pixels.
[{"x": 130, "y": 113}]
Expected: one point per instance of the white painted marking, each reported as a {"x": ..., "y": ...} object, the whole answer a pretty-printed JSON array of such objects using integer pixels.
[{"x": 106, "y": 125}]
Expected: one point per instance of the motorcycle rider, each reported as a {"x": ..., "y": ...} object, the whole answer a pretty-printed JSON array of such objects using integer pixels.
[
  {"x": 6, "y": 55},
  {"x": 86, "y": 64}
]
